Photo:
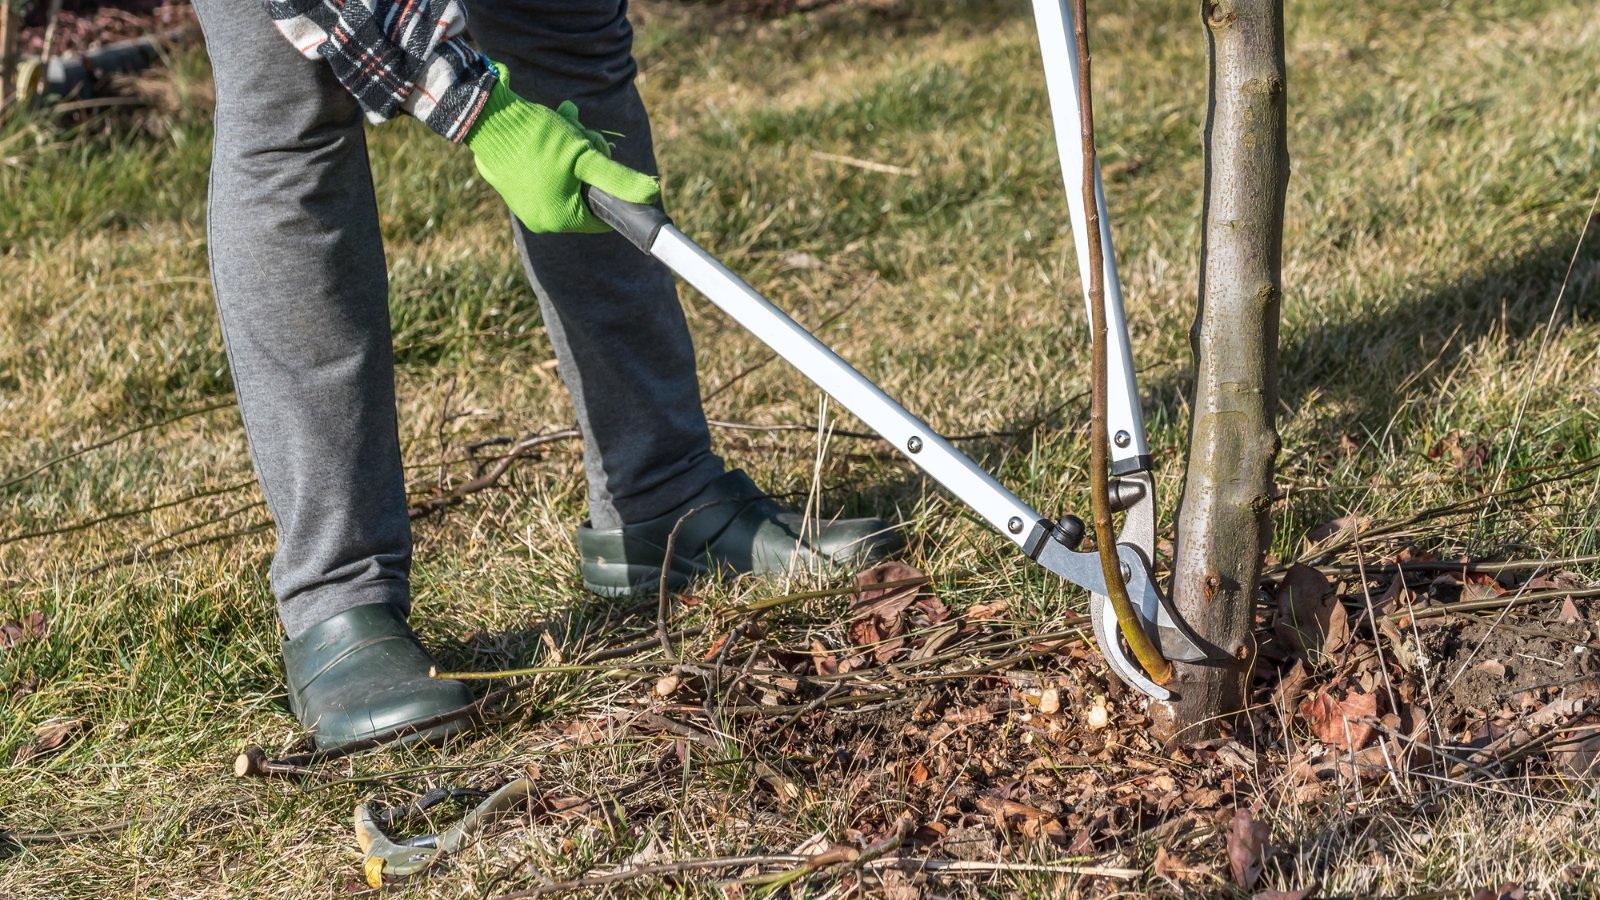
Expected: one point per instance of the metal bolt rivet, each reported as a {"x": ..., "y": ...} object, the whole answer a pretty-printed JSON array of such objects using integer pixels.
[
  {"x": 1123, "y": 439},
  {"x": 1014, "y": 526},
  {"x": 1127, "y": 571},
  {"x": 914, "y": 445}
]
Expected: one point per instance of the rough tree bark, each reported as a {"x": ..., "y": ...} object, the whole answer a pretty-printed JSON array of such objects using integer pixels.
[{"x": 1224, "y": 518}]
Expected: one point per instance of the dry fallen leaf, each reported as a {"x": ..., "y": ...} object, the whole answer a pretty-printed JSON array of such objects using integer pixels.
[
  {"x": 984, "y": 611},
  {"x": 894, "y": 884},
  {"x": 1247, "y": 843},
  {"x": 585, "y": 732},
  {"x": 929, "y": 610},
  {"x": 716, "y": 648},
  {"x": 1175, "y": 868},
  {"x": 567, "y": 809},
  {"x": 1337, "y": 722},
  {"x": 1555, "y": 711},
  {"x": 824, "y": 660},
  {"x": 878, "y": 614},
  {"x": 30, "y": 627},
  {"x": 1493, "y": 668},
  {"x": 1579, "y": 754},
  {"x": 1393, "y": 596},
  {"x": 555, "y": 657},
  {"x": 1030, "y": 821},
  {"x": 1464, "y": 451},
  {"x": 935, "y": 640},
  {"x": 969, "y": 715},
  {"x": 1343, "y": 525},
  {"x": 1310, "y": 619},
  {"x": 49, "y": 737},
  {"x": 970, "y": 842},
  {"x": 871, "y": 599},
  {"x": 1569, "y": 612},
  {"x": 1508, "y": 891},
  {"x": 1291, "y": 686}
]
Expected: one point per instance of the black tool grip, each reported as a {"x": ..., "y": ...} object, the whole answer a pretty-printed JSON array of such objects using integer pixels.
[{"x": 638, "y": 222}]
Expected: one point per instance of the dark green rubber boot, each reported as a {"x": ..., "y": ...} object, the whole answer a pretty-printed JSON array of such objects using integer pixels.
[
  {"x": 363, "y": 672},
  {"x": 730, "y": 528}
]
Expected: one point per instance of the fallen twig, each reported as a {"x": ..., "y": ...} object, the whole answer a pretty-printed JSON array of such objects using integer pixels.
[
  {"x": 491, "y": 477},
  {"x": 780, "y": 709},
  {"x": 785, "y": 599},
  {"x": 862, "y": 862},
  {"x": 1483, "y": 567},
  {"x": 781, "y": 786},
  {"x": 90, "y": 103},
  {"x": 590, "y": 662},
  {"x": 835, "y": 856},
  {"x": 127, "y": 513},
  {"x": 638, "y": 646},
  {"x": 51, "y": 463},
  {"x": 864, "y": 164},
  {"x": 652, "y": 870},
  {"x": 566, "y": 669},
  {"x": 142, "y": 552},
  {"x": 118, "y": 826},
  {"x": 1517, "y": 742},
  {"x": 1509, "y": 600},
  {"x": 43, "y": 838},
  {"x": 252, "y": 762},
  {"x": 1460, "y": 507},
  {"x": 958, "y": 865},
  {"x": 663, "y": 594},
  {"x": 858, "y": 435}
]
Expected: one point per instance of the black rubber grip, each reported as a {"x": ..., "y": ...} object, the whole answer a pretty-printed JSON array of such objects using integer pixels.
[
  {"x": 638, "y": 222},
  {"x": 1136, "y": 464}
]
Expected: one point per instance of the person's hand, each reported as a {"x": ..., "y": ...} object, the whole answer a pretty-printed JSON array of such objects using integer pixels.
[{"x": 540, "y": 158}]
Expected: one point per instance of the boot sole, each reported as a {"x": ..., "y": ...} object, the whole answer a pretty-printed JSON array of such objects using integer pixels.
[{"x": 621, "y": 581}]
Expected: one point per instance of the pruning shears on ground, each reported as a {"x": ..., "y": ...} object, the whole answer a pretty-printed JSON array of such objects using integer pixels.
[
  {"x": 1050, "y": 543},
  {"x": 382, "y": 856}
]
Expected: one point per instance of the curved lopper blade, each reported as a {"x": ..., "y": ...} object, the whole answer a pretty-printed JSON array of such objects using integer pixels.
[{"x": 1174, "y": 638}]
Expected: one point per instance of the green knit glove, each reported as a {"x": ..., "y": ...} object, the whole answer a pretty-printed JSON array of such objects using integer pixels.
[{"x": 540, "y": 158}]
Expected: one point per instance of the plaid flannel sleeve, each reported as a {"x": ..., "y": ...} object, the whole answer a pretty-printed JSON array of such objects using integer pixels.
[{"x": 394, "y": 56}]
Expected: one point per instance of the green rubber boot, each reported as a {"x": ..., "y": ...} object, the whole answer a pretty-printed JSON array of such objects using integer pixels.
[
  {"x": 363, "y": 672},
  {"x": 730, "y": 528}
]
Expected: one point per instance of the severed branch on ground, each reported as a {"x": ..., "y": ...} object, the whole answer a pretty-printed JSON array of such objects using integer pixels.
[
  {"x": 489, "y": 478},
  {"x": 65, "y": 457}
]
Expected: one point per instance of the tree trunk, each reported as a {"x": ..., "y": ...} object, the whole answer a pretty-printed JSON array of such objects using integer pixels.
[{"x": 1224, "y": 518}]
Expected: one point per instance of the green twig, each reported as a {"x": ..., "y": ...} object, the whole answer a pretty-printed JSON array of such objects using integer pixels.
[{"x": 1144, "y": 649}]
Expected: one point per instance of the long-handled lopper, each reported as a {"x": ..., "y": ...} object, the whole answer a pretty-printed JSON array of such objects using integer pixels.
[{"x": 1052, "y": 544}]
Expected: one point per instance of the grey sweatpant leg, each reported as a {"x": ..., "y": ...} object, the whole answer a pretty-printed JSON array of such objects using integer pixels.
[
  {"x": 612, "y": 312},
  {"x": 298, "y": 267}
]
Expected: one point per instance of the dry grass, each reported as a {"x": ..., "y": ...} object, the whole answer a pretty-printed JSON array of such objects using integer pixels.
[{"x": 1443, "y": 169}]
